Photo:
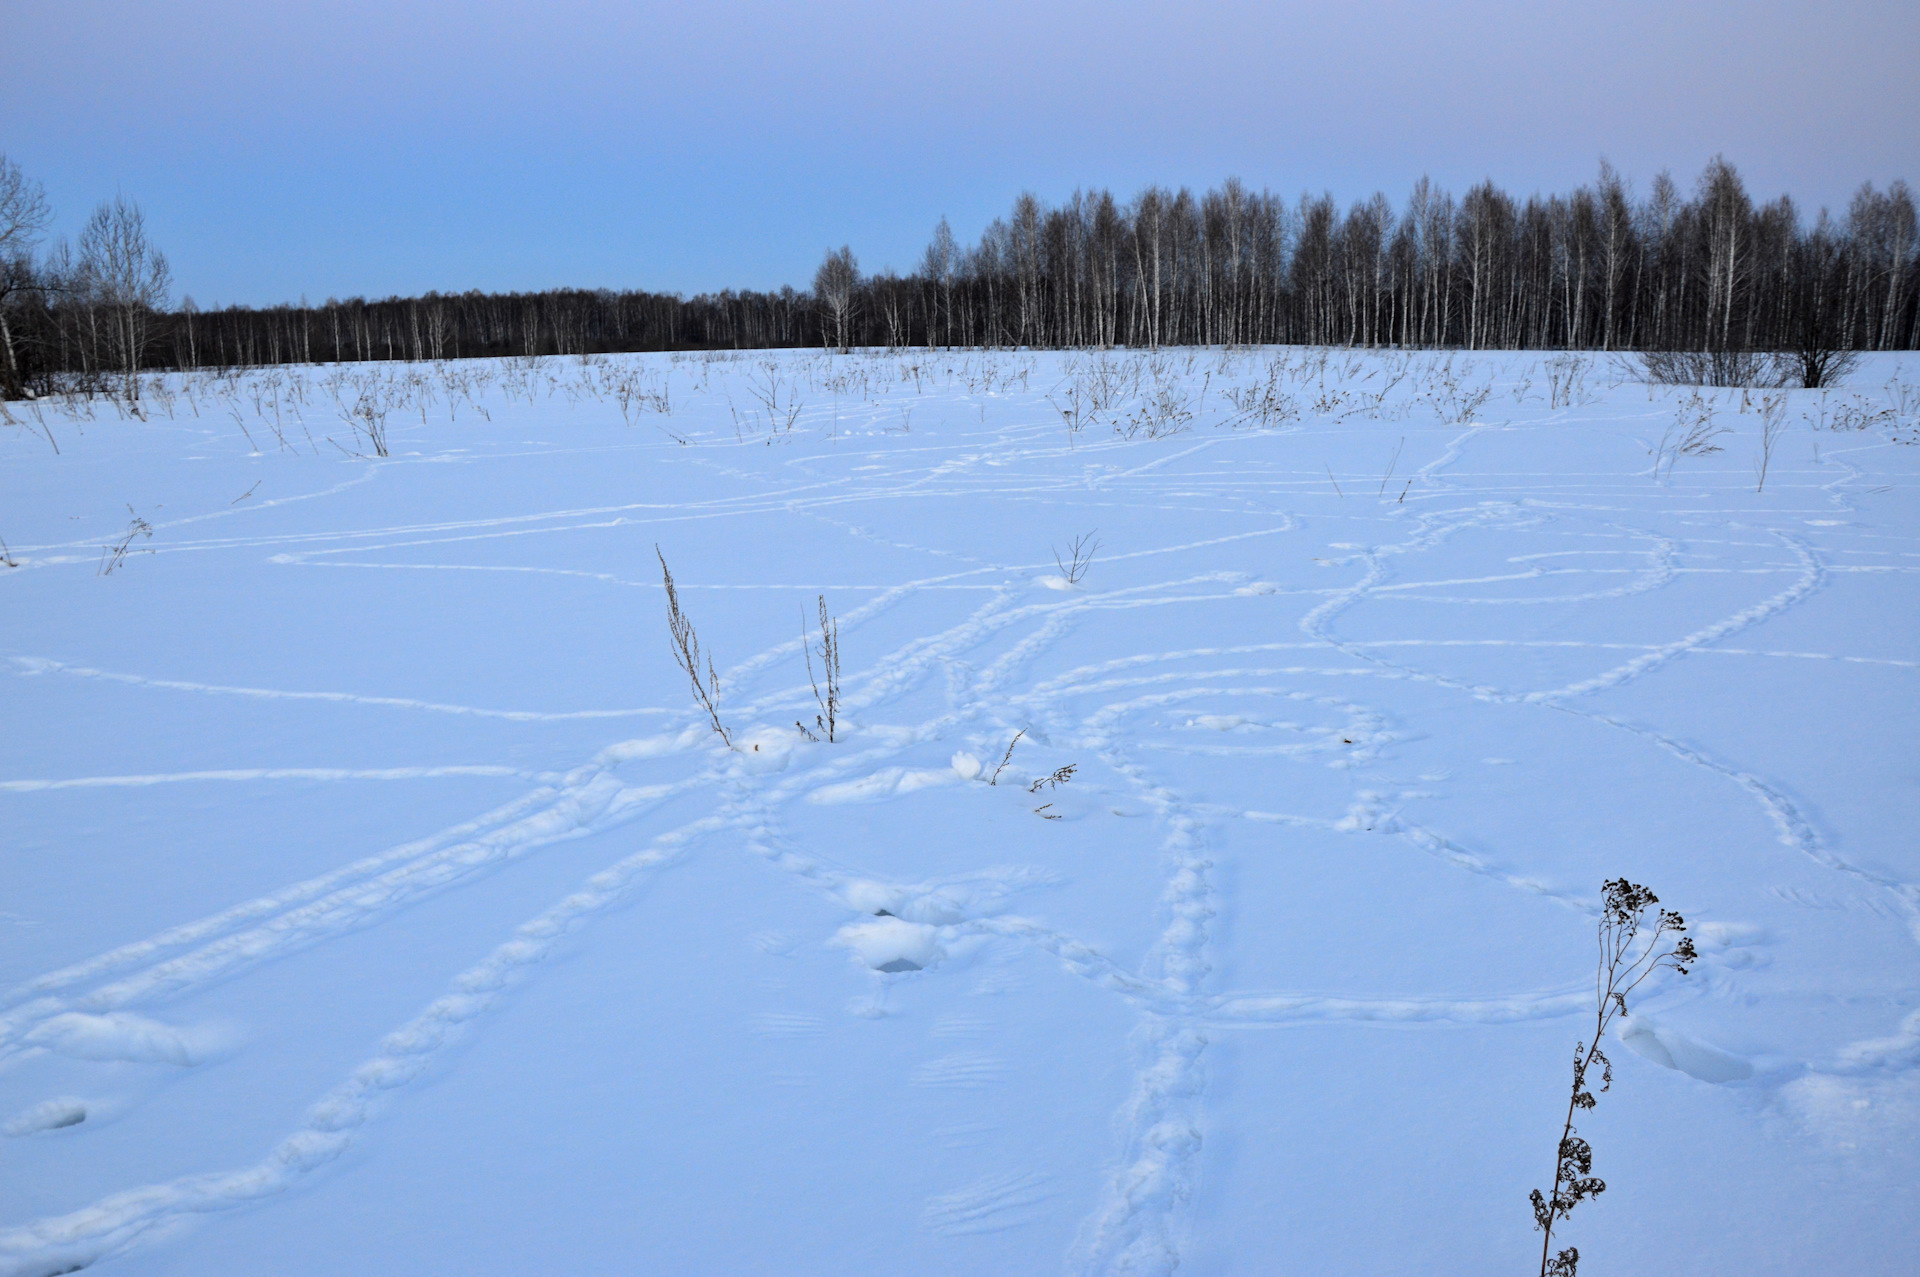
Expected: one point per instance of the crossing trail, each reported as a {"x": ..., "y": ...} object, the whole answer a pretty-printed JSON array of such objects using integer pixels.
[{"x": 411, "y": 914}]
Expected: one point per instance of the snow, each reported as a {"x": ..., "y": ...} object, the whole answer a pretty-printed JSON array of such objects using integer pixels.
[
  {"x": 891, "y": 944},
  {"x": 375, "y": 897}
]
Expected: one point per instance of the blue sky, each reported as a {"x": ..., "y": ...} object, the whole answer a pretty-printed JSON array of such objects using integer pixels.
[{"x": 283, "y": 151}]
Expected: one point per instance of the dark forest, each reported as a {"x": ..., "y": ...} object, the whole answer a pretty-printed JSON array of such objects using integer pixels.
[{"x": 1599, "y": 268}]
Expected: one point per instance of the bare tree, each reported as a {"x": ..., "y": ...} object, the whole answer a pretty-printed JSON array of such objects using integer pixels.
[
  {"x": 131, "y": 280},
  {"x": 835, "y": 288},
  {"x": 1817, "y": 350},
  {"x": 1616, "y": 212},
  {"x": 187, "y": 311},
  {"x": 1720, "y": 289},
  {"x": 936, "y": 268},
  {"x": 24, "y": 215}
]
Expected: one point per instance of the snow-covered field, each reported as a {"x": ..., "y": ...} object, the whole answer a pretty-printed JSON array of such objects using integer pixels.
[{"x": 375, "y": 898}]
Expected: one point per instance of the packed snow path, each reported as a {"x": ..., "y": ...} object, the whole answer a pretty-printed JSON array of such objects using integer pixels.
[{"x": 375, "y": 897}]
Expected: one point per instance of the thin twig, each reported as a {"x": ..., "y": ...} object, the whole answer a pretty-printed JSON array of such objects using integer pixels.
[
  {"x": 1391, "y": 464},
  {"x": 1006, "y": 758}
]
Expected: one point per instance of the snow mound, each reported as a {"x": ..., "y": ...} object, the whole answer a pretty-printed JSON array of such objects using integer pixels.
[
  {"x": 891, "y": 944},
  {"x": 641, "y": 747},
  {"x": 1733, "y": 946},
  {"x": 50, "y": 1115},
  {"x": 884, "y": 783},
  {"x": 873, "y": 897},
  {"x": 767, "y": 749},
  {"x": 1217, "y": 722},
  {"x": 120, "y": 1036},
  {"x": 1673, "y": 1050}
]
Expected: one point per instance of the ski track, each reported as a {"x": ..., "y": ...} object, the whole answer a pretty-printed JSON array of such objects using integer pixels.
[
  {"x": 31, "y": 665},
  {"x": 272, "y": 773},
  {"x": 984, "y": 660}
]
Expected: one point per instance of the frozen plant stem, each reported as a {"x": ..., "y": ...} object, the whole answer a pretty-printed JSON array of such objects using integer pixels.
[
  {"x": 1006, "y": 757},
  {"x": 828, "y": 717},
  {"x": 686, "y": 653},
  {"x": 1060, "y": 777},
  {"x": 1773, "y": 422},
  {"x": 1080, "y": 551},
  {"x": 1625, "y": 962},
  {"x": 112, "y": 556},
  {"x": 1391, "y": 464}
]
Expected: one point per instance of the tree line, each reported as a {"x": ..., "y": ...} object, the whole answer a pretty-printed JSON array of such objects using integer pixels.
[{"x": 1599, "y": 268}]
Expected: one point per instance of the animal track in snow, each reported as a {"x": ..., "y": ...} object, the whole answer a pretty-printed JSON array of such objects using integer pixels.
[
  {"x": 967, "y": 1072},
  {"x": 1007, "y": 1200},
  {"x": 961, "y": 1026},
  {"x": 120, "y": 1036},
  {"x": 788, "y": 1024},
  {"x": 1672, "y": 1049},
  {"x": 48, "y": 1115},
  {"x": 1053, "y": 661}
]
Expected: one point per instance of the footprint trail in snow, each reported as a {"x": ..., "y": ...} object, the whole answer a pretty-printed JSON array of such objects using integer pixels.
[{"x": 1115, "y": 931}]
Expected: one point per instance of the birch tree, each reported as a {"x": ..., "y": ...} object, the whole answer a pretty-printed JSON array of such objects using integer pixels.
[
  {"x": 936, "y": 268},
  {"x": 130, "y": 278},
  {"x": 835, "y": 290},
  {"x": 24, "y": 215}
]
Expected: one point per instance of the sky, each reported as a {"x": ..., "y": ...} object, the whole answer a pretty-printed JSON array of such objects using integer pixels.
[{"x": 284, "y": 151}]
